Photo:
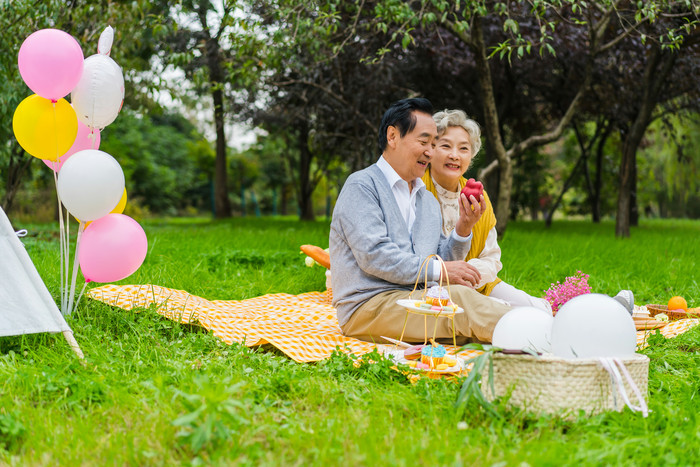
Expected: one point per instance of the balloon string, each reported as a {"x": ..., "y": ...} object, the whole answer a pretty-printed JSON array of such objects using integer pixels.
[
  {"x": 66, "y": 254},
  {"x": 80, "y": 295},
  {"x": 61, "y": 241},
  {"x": 63, "y": 235},
  {"x": 75, "y": 267}
]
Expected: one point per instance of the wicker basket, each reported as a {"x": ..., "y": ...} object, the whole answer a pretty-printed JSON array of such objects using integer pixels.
[
  {"x": 673, "y": 315},
  {"x": 560, "y": 386}
]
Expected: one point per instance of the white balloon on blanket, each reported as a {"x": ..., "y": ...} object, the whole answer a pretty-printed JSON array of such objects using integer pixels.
[
  {"x": 592, "y": 326},
  {"x": 524, "y": 328}
]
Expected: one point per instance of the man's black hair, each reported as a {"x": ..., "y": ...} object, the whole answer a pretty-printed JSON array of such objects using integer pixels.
[{"x": 400, "y": 115}]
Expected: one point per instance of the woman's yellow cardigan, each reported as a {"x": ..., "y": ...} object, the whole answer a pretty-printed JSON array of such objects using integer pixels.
[{"x": 480, "y": 231}]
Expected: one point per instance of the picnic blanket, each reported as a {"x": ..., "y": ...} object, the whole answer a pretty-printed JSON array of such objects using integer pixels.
[{"x": 304, "y": 327}]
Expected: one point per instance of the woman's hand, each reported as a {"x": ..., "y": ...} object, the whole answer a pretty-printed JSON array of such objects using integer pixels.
[{"x": 470, "y": 211}]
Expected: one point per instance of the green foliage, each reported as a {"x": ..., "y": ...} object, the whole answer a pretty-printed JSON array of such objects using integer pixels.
[
  {"x": 12, "y": 430},
  {"x": 167, "y": 163},
  {"x": 471, "y": 387},
  {"x": 214, "y": 413},
  {"x": 18, "y": 19},
  {"x": 669, "y": 168},
  {"x": 135, "y": 25}
]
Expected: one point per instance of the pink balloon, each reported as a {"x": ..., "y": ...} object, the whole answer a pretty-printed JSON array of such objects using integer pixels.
[
  {"x": 51, "y": 63},
  {"x": 111, "y": 248},
  {"x": 84, "y": 140}
]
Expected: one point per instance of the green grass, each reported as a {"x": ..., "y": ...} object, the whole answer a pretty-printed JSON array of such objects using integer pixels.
[{"x": 153, "y": 392}]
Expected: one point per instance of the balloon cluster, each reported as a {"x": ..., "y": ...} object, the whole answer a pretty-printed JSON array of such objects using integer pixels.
[
  {"x": 587, "y": 326},
  {"x": 89, "y": 182}
]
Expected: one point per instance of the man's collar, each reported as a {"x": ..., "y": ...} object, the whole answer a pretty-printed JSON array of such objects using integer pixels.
[{"x": 391, "y": 176}]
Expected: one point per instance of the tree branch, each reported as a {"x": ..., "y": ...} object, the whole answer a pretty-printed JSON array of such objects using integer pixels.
[
  {"x": 486, "y": 171},
  {"x": 539, "y": 140},
  {"x": 335, "y": 96},
  {"x": 353, "y": 28},
  {"x": 462, "y": 34}
]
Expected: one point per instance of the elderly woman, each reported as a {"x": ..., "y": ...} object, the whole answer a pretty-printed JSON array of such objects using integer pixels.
[{"x": 459, "y": 140}]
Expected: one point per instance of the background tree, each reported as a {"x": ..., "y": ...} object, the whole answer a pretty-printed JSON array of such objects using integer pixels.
[
  {"x": 324, "y": 98},
  {"x": 216, "y": 46},
  {"x": 521, "y": 30},
  {"x": 166, "y": 162}
]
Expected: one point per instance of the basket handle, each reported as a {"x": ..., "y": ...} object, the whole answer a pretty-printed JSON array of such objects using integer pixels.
[{"x": 443, "y": 269}]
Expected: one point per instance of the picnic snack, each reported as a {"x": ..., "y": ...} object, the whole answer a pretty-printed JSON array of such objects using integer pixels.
[
  {"x": 413, "y": 353},
  {"x": 437, "y": 296},
  {"x": 449, "y": 361},
  {"x": 433, "y": 355},
  {"x": 677, "y": 303}
]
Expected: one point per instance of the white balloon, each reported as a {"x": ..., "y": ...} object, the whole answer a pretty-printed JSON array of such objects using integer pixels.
[
  {"x": 98, "y": 96},
  {"x": 524, "y": 328},
  {"x": 591, "y": 326},
  {"x": 90, "y": 184}
]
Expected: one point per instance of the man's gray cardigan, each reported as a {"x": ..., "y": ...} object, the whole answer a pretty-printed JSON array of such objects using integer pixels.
[{"x": 371, "y": 251}]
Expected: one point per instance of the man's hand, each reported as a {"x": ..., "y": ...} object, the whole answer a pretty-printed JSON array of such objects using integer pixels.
[
  {"x": 463, "y": 273},
  {"x": 470, "y": 211}
]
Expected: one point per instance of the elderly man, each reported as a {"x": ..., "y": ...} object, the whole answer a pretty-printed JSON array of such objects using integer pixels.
[{"x": 385, "y": 224}]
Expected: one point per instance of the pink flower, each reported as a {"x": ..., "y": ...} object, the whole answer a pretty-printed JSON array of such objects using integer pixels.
[{"x": 573, "y": 286}]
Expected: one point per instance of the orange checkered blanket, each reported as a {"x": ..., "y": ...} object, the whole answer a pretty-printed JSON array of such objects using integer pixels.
[{"x": 304, "y": 327}]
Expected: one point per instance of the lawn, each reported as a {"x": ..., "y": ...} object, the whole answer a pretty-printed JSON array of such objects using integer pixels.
[{"x": 153, "y": 392}]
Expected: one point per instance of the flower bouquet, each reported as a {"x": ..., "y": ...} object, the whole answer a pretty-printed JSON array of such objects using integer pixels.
[{"x": 573, "y": 286}]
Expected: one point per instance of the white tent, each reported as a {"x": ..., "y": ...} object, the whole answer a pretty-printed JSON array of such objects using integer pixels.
[{"x": 26, "y": 306}]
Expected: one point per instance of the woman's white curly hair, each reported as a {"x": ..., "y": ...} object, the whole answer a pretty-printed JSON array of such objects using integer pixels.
[{"x": 448, "y": 118}]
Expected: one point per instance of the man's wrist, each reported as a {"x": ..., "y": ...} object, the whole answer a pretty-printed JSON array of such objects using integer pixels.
[{"x": 461, "y": 238}]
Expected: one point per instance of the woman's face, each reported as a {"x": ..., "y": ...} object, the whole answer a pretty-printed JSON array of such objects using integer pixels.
[{"x": 451, "y": 157}]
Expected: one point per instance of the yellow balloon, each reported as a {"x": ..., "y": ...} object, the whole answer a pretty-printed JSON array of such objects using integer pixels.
[
  {"x": 45, "y": 129},
  {"x": 118, "y": 209}
]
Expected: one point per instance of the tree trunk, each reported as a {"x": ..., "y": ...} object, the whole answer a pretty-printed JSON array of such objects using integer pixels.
[
  {"x": 491, "y": 128},
  {"x": 222, "y": 205},
  {"x": 634, "y": 205},
  {"x": 306, "y": 211},
  {"x": 598, "y": 182},
  {"x": 658, "y": 67}
]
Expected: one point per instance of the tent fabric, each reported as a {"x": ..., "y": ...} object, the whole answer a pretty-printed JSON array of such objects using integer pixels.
[
  {"x": 304, "y": 327},
  {"x": 26, "y": 306}
]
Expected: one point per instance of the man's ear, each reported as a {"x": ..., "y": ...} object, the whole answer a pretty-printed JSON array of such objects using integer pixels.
[{"x": 392, "y": 136}]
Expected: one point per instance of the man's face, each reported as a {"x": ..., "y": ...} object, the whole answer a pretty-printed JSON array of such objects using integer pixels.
[{"x": 409, "y": 155}]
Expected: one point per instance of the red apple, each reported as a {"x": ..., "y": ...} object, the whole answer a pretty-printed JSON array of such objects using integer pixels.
[{"x": 473, "y": 188}]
